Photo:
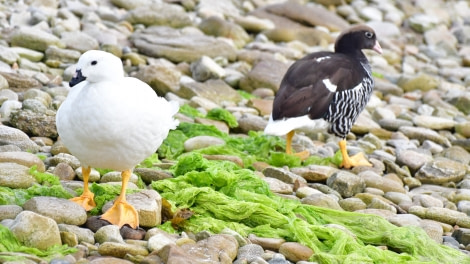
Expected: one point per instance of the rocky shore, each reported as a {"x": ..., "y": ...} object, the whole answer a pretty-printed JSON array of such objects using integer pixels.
[{"x": 212, "y": 54}]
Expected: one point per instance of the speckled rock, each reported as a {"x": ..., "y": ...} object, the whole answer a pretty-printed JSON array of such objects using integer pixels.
[
  {"x": 35, "y": 230},
  {"x": 14, "y": 175},
  {"x": 120, "y": 250},
  {"x": 441, "y": 170},
  {"x": 346, "y": 183},
  {"x": 9, "y": 211},
  {"x": 34, "y": 39},
  {"x": 180, "y": 46},
  {"x": 16, "y": 137},
  {"x": 266, "y": 73},
  {"x": 295, "y": 252},
  {"x": 61, "y": 210},
  {"x": 23, "y": 158}
]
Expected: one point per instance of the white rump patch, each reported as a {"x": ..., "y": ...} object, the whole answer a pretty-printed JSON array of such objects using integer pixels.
[
  {"x": 302, "y": 123},
  {"x": 322, "y": 58},
  {"x": 329, "y": 85}
]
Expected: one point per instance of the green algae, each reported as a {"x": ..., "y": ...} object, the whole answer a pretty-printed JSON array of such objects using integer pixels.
[
  {"x": 223, "y": 115},
  {"x": 9, "y": 243},
  {"x": 44, "y": 177},
  {"x": 256, "y": 146},
  {"x": 223, "y": 195},
  {"x": 190, "y": 111}
]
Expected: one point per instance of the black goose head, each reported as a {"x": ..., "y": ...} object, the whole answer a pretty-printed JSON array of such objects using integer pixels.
[{"x": 356, "y": 38}]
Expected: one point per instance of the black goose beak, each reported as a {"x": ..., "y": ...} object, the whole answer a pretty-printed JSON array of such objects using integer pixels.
[{"x": 77, "y": 78}]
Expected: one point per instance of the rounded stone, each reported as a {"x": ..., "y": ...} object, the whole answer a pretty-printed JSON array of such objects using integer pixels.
[{"x": 295, "y": 252}]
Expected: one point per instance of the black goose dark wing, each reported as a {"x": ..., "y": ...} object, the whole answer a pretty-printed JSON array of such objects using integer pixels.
[{"x": 309, "y": 85}]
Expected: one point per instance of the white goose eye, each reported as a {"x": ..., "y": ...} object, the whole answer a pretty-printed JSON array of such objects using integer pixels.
[
  {"x": 94, "y": 62},
  {"x": 369, "y": 34}
]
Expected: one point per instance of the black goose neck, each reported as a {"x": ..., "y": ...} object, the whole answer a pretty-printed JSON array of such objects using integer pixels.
[{"x": 355, "y": 53}]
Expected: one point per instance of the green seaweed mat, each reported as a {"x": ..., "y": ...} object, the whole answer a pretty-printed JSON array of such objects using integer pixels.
[{"x": 222, "y": 195}]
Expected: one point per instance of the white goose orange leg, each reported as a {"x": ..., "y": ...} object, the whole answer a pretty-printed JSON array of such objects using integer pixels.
[
  {"x": 302, "y": 155},
  {"x": 86, "y": 199},
  {"x": 122, "y": 212},
  {"x": 354, "y": 161}
]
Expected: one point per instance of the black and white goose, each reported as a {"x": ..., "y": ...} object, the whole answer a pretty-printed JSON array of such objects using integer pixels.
[{"x": 334, "y": 86}]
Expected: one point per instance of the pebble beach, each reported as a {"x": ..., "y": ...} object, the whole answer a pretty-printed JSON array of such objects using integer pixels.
[{"x": 232, "y": 55}]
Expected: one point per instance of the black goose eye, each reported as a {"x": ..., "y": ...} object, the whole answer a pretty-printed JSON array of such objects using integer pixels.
[
  {"x": 94, "y": 62},
  {"x": 369, "y": 34}
]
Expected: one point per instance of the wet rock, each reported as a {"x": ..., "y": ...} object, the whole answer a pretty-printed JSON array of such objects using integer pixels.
[
  {"x": 80, "y": 41},
  {"x": 427, "y": 201},
  {"x": 148, "y": 175},
  {"x": 404, "y": 220},
  {"x": 148, "y": 204},
  {"x": 346, "y": 183},
  {"x": 200, "y": 142},
  {"x": 158, "y": 240},
  {"x": 64, "y": 172},
  {"x": 218, "y": 27},
  {"x": 34, "y": 230},
  {"x": 20, "y": 83},
  {"x": 263, "y": 106},
  {"x": 120, "y": 250},
  {"x": 315, "y": 15},
  {"x": 220, "y": 125},
  {"x": 295, "y": 251},
  {"x": 266, "y": 243},
  {"x": 462, "y": 235},
  {"x": 65, "y": 158},
  {"x": 413, "y": 159},
  {"x": 322, "y": 200},
  {"x": 54, "y": 53},
  {"x": 433, "y": 229},
  {"x": 128, "y": 232},
  {"x": 205, "y": 68},
  {"x": 266, "y": 73},
  {"x": 423, "y": 134},
  {"x": 82, "y": 234},
  {"x": 283, "y": 175},
  {"x": 61, "y": 210},
  {"x": 278, "y": 186},
  {"x": 253, "y": 24},
  {"x": 214, "y": 249},
  {"x": 249, "y": 122},
  {"x": 108, "y": 233},
  {"x": 161, "y": 75},
  {"x": 456, "y": 153},
  {"x": 178, "y": 46},
  {"x": 374, "y": 180},
  {"x": 35, "y": 124},
  {"x": 440, "y": 171},
  {"x": 115, "y": 176},
  {"x": 23, "y": 158},
  {"x": 16, "y": 137},
  {"x": 159, "y": 14},
  {"x": 249, "y": 253},
  {"x": 433, "y": 122},
  {"x": 304, "y": 191},
  {"x": 352, "y": 204},
  {"x": 315, "y": 173},
  {"x": 423, "y": 82},
  {"x": 463, "y": 128},
  {"x": 14, "y": 175},
  {"x": 215, "y": 90},
  {"x": 35, "y": 39},
  {"x": 9, "y": 211}
]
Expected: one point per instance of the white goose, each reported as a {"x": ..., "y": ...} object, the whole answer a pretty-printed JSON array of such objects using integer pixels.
[{"x": 113, "y": 122}]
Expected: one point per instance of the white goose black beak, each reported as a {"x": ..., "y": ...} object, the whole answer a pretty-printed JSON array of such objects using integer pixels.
[{"x": 77, "y": 78}]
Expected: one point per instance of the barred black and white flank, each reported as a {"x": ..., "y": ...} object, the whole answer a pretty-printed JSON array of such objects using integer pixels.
[{"x": 333, "y": 86}]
